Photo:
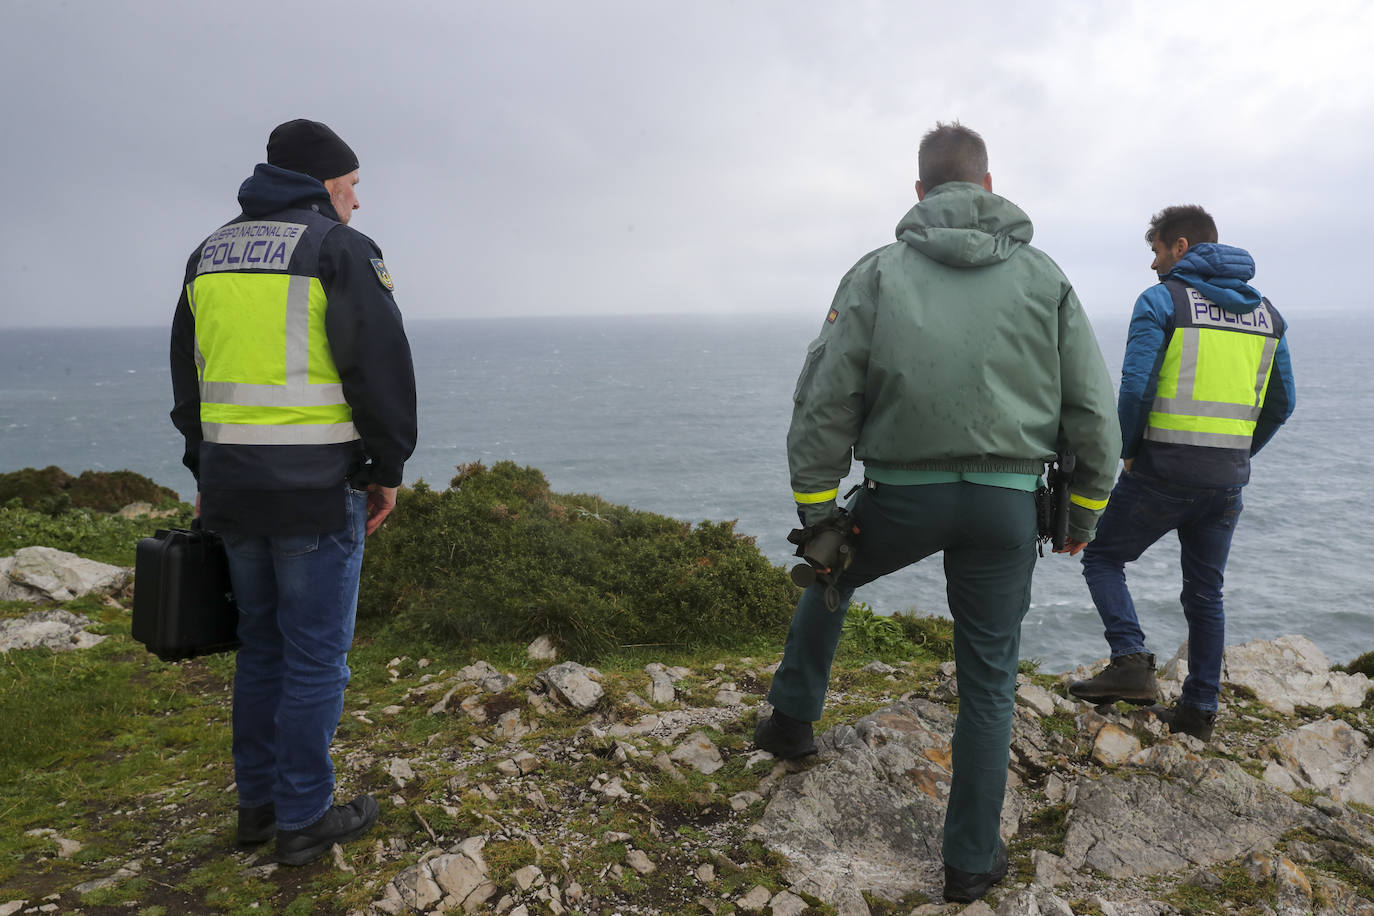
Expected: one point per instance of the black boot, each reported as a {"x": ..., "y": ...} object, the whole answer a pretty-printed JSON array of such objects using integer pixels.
[
  {"x": 340, "y": 824},
  {"x": 1127, "y": 677},
  {"x": 966, "y": 886},
  {"x": 784, "y": 737},
  {"x": 1187, "y": 720},
  {"x": 257, "y": 824}
]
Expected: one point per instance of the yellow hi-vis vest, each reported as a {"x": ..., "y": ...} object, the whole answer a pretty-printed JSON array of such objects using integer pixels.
[
  {"x": 1214, "y": 374},
  {"x": 267, "y": 376}
]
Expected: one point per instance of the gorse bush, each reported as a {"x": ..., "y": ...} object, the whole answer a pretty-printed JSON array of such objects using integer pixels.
[
  {"x": 497, "y": 557},
  {"x": 53, "y": 491}
]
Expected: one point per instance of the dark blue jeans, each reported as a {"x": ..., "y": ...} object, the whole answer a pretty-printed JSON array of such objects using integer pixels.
[
  {"x": 1141, "y": 511},
  {"x": 987, "y": 535},
  {"x": 297, "y": 598}
]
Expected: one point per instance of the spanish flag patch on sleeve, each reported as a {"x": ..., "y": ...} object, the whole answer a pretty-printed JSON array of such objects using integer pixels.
[
  {"x": 383, "y": 275},
  {"x": 834, "y": 313}
]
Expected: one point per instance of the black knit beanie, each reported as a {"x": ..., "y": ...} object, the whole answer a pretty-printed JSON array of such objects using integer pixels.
[{"x": 310, "y": 147}]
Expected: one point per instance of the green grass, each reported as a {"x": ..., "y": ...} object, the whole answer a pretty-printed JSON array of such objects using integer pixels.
[{"x": 85, "y": 532}]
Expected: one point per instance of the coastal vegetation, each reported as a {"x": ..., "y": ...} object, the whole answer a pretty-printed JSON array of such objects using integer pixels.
[
  {"x": 116, "y": 786},
  {"x": 499, "y": 557}
]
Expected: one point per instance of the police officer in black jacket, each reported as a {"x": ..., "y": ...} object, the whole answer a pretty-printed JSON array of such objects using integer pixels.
[{"x": 295, "y": 394}]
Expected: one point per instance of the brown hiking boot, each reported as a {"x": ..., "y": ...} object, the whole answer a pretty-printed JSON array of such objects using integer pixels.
[
  {"x": 1128, "y": 677},
  {"x": 1188, "y": 720}
]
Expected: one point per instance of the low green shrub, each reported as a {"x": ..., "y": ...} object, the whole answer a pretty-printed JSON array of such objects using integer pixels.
[
  {"x": 53, "y": 491},
  {"x": 1362, "y": 665},
  {"x": 933, "y": 634},
  {"x": 869, "y": 632},
  {"x": 498, "y": 557}
]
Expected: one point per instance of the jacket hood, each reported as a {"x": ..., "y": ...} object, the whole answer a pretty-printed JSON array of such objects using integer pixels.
[
  {"x": 1220, "y": 272},
  {"x": 271, "y": 188},
  {"x": 962, "y": 225}
]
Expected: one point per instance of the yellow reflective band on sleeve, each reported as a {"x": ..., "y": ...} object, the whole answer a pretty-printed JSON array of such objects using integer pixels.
[
  {"x": 808, "y": 499},
  {"x": 1086, "y": 503}
]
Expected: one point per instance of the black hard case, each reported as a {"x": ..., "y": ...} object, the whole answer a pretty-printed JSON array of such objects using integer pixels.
[{"x": 183, "y": 601}]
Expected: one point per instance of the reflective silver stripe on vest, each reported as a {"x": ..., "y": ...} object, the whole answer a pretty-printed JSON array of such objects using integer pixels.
[
  {"x": 1262, "y": 377},
  {"x": 291, "y": 434},
  {"x": 1193, "y": 437},
  {"x": 1187, "y": 364},
  {"x": 246, "y": 395},
  {"x": 1219, "y": 409}
]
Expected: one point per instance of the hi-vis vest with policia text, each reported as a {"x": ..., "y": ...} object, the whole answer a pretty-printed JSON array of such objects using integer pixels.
[
  {"x": 1215, "y": 371},
  {"x": 267, "y": 376}
]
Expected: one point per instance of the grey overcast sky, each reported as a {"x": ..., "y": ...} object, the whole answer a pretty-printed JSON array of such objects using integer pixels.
[{"x": 599, "y": 157}]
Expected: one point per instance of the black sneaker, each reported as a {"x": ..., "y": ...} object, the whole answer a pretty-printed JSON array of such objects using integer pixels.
[
  {"x": 1188, "y": 720},
  {"x": 966, "y": 887},
  {"x": 1128, "y": 677},
  {"x": 257, "y": 824},
  {"x": 340, "y": 824},
  {"x": 784, "y": 737}
]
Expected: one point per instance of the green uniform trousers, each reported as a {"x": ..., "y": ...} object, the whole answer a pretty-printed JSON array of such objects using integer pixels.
[{"x": 988, "y": 538}]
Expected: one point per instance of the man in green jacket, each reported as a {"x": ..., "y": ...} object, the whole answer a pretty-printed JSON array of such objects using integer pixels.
[{"x": 953, "y": 363}]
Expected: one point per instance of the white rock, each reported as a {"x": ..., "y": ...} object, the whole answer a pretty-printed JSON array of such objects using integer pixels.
[
  {"x": 400, "y": 771},
  {"x": 743, "y": 800},
  {"x": 706, "y": 873},
  {"x": 787, "y": 904},
  {"x": 58, "y": 629},
  {"x": 698, "y": 752},
  {"x": 757, "y": 898},
  {"x": 1036, "y": 699},
  {"x": 1114, "y": 745},
  {"x": 418, "y": 888},
  {"x": 528, "y": 877},
  {"x": 12, "y": 907},
  {"x": 1328, "y": 756},
  {"x": 727, "y": 696},
  {"x": 476, "y": 902},
  {"x": 510, "y": 727},
  {"x": 661, "y": 689},
  {"x": 39, "y": 573},
  {"x": 1291, "y": 671},
  {"x": 573, "y": 684},
  {"x": 542, "y": 649},
  {"x": 1050, "y": 870},
  {"x": 637, "y": 860},
  {"x": 337, "y": 854}
]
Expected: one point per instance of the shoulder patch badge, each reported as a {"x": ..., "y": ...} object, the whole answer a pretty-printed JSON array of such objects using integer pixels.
[
  {"x": 382, "y": 275},
  {"x": 834, "y": 313}
]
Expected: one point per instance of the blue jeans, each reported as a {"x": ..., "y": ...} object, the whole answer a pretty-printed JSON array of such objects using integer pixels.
[
  {"x": 1141, "y": 511},
  {"x": 297, "y": 598},
  {"x": 987, "y": 535}
]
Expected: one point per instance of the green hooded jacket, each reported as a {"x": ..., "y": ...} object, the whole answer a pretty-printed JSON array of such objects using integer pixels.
[{"x": 957, "y": 348}]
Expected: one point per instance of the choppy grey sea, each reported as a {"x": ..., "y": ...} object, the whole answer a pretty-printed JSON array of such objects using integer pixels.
[{"x": 686, "y": 416}]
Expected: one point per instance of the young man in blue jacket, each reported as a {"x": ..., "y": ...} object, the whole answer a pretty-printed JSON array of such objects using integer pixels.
[{"x": 1205, "y": 384}]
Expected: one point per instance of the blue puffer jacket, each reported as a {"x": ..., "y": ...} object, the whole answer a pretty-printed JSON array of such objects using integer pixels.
[{"x": 1222, "y": 274}]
